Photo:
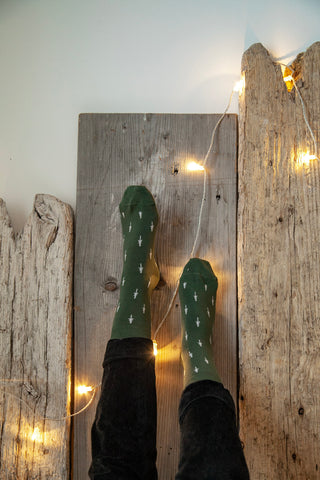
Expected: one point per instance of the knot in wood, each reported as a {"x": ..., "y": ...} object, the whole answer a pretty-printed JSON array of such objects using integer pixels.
[
  {"x": 110, "y": 286},
  {"x": 31, "y": 390}
]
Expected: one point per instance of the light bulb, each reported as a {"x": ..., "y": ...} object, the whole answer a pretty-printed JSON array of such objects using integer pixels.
[
  {"x": 155, "y": 348},
  {"x": 194, "y": 167},
  {"x": 305, "y": 158},
  {"x": 36, "y": 436},
  {"x": 82, "y": 389},
  {"x": 239, "y": 86}
]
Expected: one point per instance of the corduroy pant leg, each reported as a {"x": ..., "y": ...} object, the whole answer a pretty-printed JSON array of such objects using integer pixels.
[
  {"x": 123, "y": 434},
  {"x": 210, "y": 444}
]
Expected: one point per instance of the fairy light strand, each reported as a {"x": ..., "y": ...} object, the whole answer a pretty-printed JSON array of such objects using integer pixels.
[
  {"x": 236, "y": 88},
  {"x": 290, "y": 78},
  {"x": 42, "y": 417}
]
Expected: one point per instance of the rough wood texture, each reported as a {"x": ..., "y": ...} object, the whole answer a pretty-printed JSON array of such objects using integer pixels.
[
  {"x": 278, "y": 246},
  {"x": 114, "y": 152},
  {"x": 35, "y": 342}
]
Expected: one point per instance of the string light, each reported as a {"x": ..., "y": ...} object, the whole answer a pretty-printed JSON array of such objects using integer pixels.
[
  {"x": 305, "y": 158},
  {"x": 36, "y": 435},
  {"x": 290, "y": 83},
  {"x": 155, "y": 348},
  {"x": 194, "y": 167},
  {"x": 83, "y": 389},
  {"x": 238, "y": 87}
]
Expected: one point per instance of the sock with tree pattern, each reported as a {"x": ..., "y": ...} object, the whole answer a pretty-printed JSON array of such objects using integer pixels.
[
  {"x": 197, "y": 291},
  {"x": 140, "y": 272}
]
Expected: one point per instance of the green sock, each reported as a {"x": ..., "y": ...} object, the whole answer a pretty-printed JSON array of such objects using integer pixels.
[
  {"x": 197, "y": 292},
  {"x": 140, "y": 273}
]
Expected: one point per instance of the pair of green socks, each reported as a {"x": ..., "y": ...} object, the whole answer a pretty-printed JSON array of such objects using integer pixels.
[{"x": 197, "y": 289}]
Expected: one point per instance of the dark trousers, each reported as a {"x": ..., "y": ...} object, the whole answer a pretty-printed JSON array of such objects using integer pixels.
[{"x": 124, "y": 430}]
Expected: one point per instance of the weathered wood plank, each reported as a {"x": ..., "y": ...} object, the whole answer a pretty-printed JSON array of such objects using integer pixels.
[
  {"x": 278, "y": 265},
  {"x": 35, "y": 341},
  {"x": 114, "y": 152}
]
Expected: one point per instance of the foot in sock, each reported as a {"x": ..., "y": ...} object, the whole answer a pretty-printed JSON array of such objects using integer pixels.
[
  {"x": 197, "y": 291},
  {"x": 140, "y": 272}
]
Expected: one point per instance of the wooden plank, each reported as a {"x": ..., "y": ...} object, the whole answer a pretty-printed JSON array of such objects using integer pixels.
[
  {"x": 35, "y": 341},
  {"x": 114, "y": 152},
  {"x": 278, "y": 245}
]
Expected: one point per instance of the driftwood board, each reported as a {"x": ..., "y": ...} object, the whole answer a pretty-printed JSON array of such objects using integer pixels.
[
  {"x": 35, "y": 342},
  {"x": 278, "y": 265},
  {"x": 120, "y": 150}
]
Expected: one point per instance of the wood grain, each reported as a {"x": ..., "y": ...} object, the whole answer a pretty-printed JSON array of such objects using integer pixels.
[
  {"x": 35, "y": 342},
  {"x": 278, "y": 265},
  {"x": 117, "y": 150}
]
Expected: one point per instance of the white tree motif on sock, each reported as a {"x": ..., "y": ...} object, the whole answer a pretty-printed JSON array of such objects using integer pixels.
[
  {"x": 196, "y": 369},
  {"x": 190, "y": 354},
  {"x": 118, "y": 307},
  {"x": 143, "y": 308},
  {"x": 199, "y": 343},
  {"x": 130, "y": 227},
  {"x": 208, "y": 312},
  {"x": 184, "y": 284},
  {"x": 140, "y": 241},
  {"x": 205, "y": 287},
  {"x": 140, "y": 214},
  {"x": 186, "y": 335},
  {"x": 130, "y": 319},
  {"x": 195, "y": 296},
  {"x": 135, "y": 294},
  {"x": 125, "y": 255},
  {"x": 150, "y": 253},
  {"x": 123, "y": 281},
  {"x": 212, "y": 301},
  {"x": 206, "y": 360},
  {"x": 186, "y": 309},
  {"x": 198, "y": 322},
  {"x": 151, "y": 226},
  {"x": 123, "y": 214},
  {"x": 140, "y": 268}
]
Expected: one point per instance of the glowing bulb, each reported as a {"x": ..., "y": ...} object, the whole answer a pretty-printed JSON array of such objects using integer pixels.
[
  {"x": 239, "y": 86},
  {"x": 305, "y": 158},
  {"x": 82, "y": 389},
  {"x": 193, "y": 167},
  {"x": 155, "y": 348},
  {"x": 36, "y": 436},
  {"x": 288, "y": 79}
]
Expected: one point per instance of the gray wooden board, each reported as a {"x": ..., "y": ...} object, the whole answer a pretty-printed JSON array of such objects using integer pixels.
[
  {"x": 117, "y": 150},
  {"x": 35, "y": 342},
  {"x": 278, "y": 253}
]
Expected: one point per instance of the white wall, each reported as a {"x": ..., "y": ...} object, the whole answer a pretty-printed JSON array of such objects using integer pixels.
[{"x": 59, "y": 58}]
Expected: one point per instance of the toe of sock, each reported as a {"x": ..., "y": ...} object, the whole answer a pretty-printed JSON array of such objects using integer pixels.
[
  {"x": 200, "y": 267},
  {"x": 137, "y": 195}
]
